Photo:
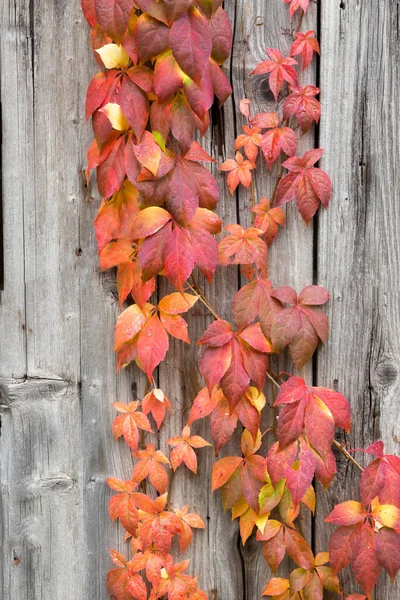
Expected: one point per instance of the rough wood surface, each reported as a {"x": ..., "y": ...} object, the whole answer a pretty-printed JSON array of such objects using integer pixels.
[
  {"x": 57, "y": 311},
  {"x": 358, "y": 237}
]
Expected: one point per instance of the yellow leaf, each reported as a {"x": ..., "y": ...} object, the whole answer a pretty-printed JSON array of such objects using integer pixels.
[
  {"x": 257, "y": 399},
  {"x": 262, "y": 521},
  {"x": 114, "y": 113},
  {"x": 113, "y": 56}
]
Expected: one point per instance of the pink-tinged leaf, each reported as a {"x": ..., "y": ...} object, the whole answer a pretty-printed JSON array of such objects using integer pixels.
[
  {"x": 276, "y": 140},
  {"x": 218, "y": 334},
  {"x": 178, "y": 258},
  {"x": 373, "y": 480},
  {"x": 191, "y": 43},
  {"x": 221, "y": 85},
  {"x": 365, "y": 563},
  {"x": 214, "y": 363},
  {"x": 274, "y": 550},
  {"x": 222, "y": 426},
  {"x": 302, "y": 104},
  {"x": 280, "y": 69},
  {"x": 183, "y": 196},
  {"x": 296, "y": 4},
  {"x": 89, "y": 12},
  {"x": 377, "y": 449},
  {"x": 338, "y": 406},
  {"x": 340, "y": 552},
  {"x": 168, "y": 77},
  {"x": 176, "y": 8},
  {"x": 305, "y": 44},
  {"x": 347, "y": 513},
  {"x": 291, "y": 391},
  {"x": 111, "y": 173},
  {"x": 298, "y": 549},
  {"x": 152, "y": 345},
  {"x": 236, "y": 380},
  {"x": 113, "y": 16},
  {"x": 135, "y": 107},
  {"x": 153, "y": 37},
  {"x": 387, "y": 547},
  {"x": 154, "y": 8},
  {"x": 300, "y": 475},
  {"x": 290, "y": 423},
  {"x": 221, "y": 31},
  {"x": 278, "y": 459},
  {"x": 320, "y": 426},
  {"x": 182, "y": 126}
]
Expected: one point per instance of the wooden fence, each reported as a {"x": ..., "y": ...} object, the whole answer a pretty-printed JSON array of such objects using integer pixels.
[{"x": 57, "y": 311}]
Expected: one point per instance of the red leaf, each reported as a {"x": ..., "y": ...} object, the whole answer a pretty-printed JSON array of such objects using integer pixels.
[
  {"x": 387, "y": 548},
  {"x": 305, "y": 44},
  {"x": 280, "y": 69},
  {"x": 152, "y": 345},
  {"x": 340, "y": 552},
  {"x": 111, "y": 173},
  {"x": 365, "y": 563},
  {"x": 275, "y": 140},
  {"x": 222, "y": 425},
  {"x": 236, "y": 380},
  {"x": 113, "y": 16},
  {"x": 218, "y": 334},
  {"x": 152, "y": 37},
  {"x": 221, "y": 31},
  {"x": 178, "y": 258},
  {"x": 135, "y": 106},
  {"x": 305, "y": 183},
  {"x": 191, "y": 43},
  {"x": 302, "y": 104},
  {"x": 183, "y": 196},
  {"x": 214, "y": 363}
]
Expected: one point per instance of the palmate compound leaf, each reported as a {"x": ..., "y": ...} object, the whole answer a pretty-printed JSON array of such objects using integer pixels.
[
  {"x": 250, "y": 140},
  {"x": 280, "y": 69},
  {"x": 381, "y": 478},
  {"x": 129, "y": 422},
  {"x": 368, "y": 537},
  {"x": 141, "y": 334},
  {"x": 268, "y": 219},
  {"x": 277, "y": 140},
  {"x": 239, "y": 172},
  {"x": 302, "y": 104},
  {"x": 302, "y": 324},
  {"x": 254, "y": 300},
  {"x": 296, "y": 4},
  {"x": 183, "y": 452},
  {"x": 306, "y": 184},
  {"x": 243, "y": 247},
  {"x": 305, "y": 44},
  {"x": 312, "y": 411},
  {"x": 124, "y": 585},
  {"x": 151, "y": 464},
  {"x": 234, "y": 359}
]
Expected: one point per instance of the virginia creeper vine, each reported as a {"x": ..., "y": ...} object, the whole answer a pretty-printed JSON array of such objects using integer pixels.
[{"x": 160, "y": 71}]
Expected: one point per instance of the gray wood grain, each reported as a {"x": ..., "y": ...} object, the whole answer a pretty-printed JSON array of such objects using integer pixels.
[
  {"x": 57, "y": 311},
  {"x": 358, "y": 237}
]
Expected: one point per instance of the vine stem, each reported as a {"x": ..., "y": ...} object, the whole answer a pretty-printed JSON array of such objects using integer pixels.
[
  {"x": 195, "y": 287},
  {"x": 171, "y": 484}
]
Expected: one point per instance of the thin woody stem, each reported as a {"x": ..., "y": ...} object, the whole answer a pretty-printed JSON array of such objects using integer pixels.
[
  {"x": 195, "y": 287},
  {"x": 171, "y": 483}
]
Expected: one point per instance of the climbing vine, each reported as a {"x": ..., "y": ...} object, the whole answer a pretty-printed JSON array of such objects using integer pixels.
[{"x": 160, "y": 73}]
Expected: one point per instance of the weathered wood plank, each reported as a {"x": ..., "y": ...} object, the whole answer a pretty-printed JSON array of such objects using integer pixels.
[{"x": 358, "y": 249}]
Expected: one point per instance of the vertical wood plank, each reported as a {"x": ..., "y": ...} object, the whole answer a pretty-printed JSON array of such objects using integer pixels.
[{"x": 358, "y": 249}]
